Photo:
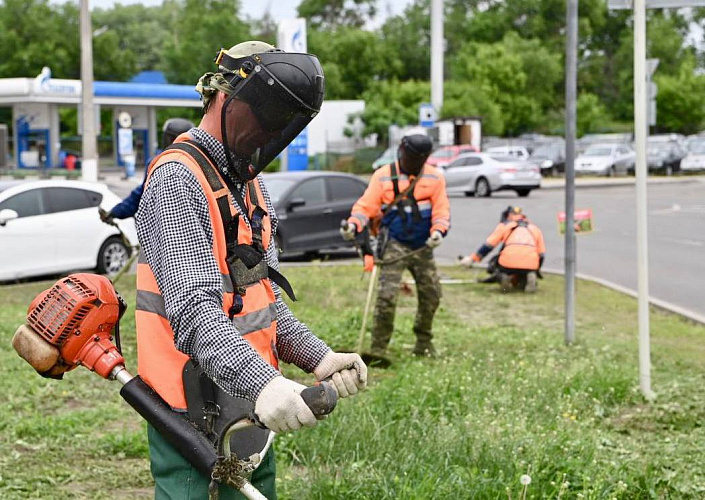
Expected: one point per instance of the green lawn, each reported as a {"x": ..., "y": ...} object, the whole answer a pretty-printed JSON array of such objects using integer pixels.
[{"x": 506, "y": 398}]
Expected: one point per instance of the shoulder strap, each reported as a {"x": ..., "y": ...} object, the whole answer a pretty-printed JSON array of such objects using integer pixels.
[
  {"x": 397, "y": 195},
  {"x": 230, "y": 222}
]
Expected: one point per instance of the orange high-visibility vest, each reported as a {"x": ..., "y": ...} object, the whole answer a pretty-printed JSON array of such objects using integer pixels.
[
  {"x": 159, "y": 363},
  {"x": 522, "y": 245}
]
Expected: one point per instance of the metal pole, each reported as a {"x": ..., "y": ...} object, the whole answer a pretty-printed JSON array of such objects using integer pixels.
[
  {"x": 437, "y": 55},
  {"x": 640, "y": 133},
  {"x": 89, "y": 164},
  {"x": 571, "y": 79}
]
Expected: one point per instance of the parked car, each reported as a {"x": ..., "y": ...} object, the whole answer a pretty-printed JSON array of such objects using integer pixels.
[
  {"x": 480, "y": 174},
  {"x": 695, "y": 160},
  {"x": 605, "y": 159},
  {"x": 550, "y": 158},
  {"x": 447, "y": 154},
  {"x": 389, "y": 156},
  {"x": 664, "y": 156},
  {"x": 310, "y": 206},
  {"x": 53, "y": 226},
  {"x": 518, "y": 175},
  {"x": 516, "y": 152}
]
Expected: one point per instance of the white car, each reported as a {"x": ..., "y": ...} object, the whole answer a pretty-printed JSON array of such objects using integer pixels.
[
  {"x": 605, "y": 159},
  {"x": 479, "y": 174},
  {"x": 53, "y": 226},
  {"x": 515, "y": 152},
  {"x": 696, "y": 156}
]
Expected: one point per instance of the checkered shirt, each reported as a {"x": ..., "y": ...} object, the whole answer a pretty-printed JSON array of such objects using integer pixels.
[{"x": 174, "y": 229}]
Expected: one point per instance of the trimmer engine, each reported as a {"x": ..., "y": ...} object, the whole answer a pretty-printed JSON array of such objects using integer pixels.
[{"x": 73, "y": 323}]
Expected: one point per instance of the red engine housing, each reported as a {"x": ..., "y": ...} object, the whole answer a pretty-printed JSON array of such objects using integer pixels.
[{"x": 78, "y": 315}]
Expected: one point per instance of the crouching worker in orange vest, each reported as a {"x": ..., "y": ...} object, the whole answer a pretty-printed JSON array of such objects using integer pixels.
[
  {"x": 211, "y": 323},
  {"x": 521, "y": 252}
]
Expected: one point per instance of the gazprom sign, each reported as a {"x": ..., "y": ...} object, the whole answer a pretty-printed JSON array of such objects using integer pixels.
[{"x": 291, "y": 37}]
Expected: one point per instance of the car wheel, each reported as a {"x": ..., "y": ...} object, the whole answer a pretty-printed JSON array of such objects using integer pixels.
[
  {"x": 523, "y": 193},
  {"x": 611, "y": 172},
  {"x": 482, "y": 188},
  {"x": 112, "y": 256}
]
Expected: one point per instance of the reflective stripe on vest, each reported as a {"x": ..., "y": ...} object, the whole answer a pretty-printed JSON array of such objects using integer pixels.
[{"x": 159, "y": 363}]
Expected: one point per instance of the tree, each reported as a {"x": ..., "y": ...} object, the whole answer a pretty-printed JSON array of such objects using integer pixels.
[
  {"x": 680, "y": 100},
  {"x": 592, "y": 115},
  {"x": 34, "y": 34},
  {"x": 392, "y": 102},
  {"x": 328, "y": 14},
  {"x": 139, "y": 33},
  {"x": 198, "y": 30}
]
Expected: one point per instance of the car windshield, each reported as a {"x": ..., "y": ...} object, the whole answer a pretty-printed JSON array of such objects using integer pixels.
[
  {"x": 697, "y": 147},
  {"x": 277, "y": 187},
  {"x": 598, "y": 151},
  {"x": 442, "y": 153}
]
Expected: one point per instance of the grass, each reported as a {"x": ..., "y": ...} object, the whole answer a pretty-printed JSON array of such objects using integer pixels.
[{"x": 506, "y": 398}]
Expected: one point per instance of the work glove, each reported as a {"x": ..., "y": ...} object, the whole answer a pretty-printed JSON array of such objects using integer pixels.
[
  {"x": 470, "y": 260},
  {"x": 347, "y": 231},
  {"x": 280, "y": 407},
  {"x": 466, "y": 261},
  {"x": 435, "y": 239},
  {"x": 347, "y": 371}
]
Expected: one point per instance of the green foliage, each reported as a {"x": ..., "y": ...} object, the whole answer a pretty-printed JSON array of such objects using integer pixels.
[
  {"x": 198, "y": 29},
  {"x": 592, "y": 115},
  {"x": 333, "y": 13},
  {"x": 392, "y": 102},
  {"x": 679, "y": 101}
]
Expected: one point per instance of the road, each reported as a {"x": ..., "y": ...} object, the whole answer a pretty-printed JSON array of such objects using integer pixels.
[{"x": 676, "y": 235}]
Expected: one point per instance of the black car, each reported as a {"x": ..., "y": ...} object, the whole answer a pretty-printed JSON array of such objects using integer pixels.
[
  {"x": 550, "y": 158},
  {"x": 664, "y": 157},
  {"x": 310, "y": 206}
]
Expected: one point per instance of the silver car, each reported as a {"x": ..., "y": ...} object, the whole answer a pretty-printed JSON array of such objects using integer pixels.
[
  {"x": 475, "y": 174},
  {"x": 605, "y": 159}
]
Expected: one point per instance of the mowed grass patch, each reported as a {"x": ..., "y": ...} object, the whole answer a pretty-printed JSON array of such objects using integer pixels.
[{"x": 506, "y": 398}]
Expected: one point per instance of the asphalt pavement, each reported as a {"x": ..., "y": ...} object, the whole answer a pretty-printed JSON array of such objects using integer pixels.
[
  {"x": 676, "y": 234},
  {"x": 676, "y": 230}
]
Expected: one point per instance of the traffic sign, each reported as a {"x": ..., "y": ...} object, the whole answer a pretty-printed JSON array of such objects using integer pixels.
[{"x": 427, "y": 115}]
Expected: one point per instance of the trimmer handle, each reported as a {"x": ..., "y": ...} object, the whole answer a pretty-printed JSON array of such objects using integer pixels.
[{"x": 320, "y": 398}]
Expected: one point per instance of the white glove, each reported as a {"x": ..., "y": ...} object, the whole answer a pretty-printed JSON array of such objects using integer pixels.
[
  {"x": 466, "y": 261},
  {"x": 280, "y": 407},
  {"x": 349, "y": 372},
  {"x": 435, "y": 240},
  {"x": 348, "y": 231}
]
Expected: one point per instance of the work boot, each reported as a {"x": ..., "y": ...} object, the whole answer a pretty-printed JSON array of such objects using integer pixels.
[
  {"x": 531, "y": 282},
  {"x": 424, "y": 350},
  {"x": 376, "y": 358},
  {"x": 505, "y": 282}
]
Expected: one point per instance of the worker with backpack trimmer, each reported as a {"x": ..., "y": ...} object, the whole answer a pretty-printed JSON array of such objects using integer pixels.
[
  {"x": 521, "y": 252},
  {"x": 212, "y": 326},
  {"x": 408, "y": 199}
]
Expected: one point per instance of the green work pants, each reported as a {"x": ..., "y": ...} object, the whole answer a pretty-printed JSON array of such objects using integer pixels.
[{"x": 176, "y": 479}]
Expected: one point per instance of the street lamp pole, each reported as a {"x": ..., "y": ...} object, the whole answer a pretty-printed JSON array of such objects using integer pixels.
[
  {"x": 571, "y": 83},
  {"x": 89, "y": 164}
]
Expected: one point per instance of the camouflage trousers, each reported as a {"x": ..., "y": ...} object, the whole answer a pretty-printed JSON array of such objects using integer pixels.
[{"x": 428, "y": 289}]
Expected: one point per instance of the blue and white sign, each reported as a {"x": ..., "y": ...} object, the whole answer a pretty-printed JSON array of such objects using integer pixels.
[
  {"x": 291, "y": 37},
  {"x": 125, "y": 146},
  {"x": 427, "y": 115},
  {"x": 298, "y": 152}
]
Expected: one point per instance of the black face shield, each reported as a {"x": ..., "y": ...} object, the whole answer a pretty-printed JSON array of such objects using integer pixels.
[
  {"x": 414, "y": 150},
  {"x": 284, "y": 91}
]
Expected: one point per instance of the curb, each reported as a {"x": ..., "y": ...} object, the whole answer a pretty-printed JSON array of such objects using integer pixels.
[
  {"x": 661, "y": 304},
  {"x": 595, "y": 184}
]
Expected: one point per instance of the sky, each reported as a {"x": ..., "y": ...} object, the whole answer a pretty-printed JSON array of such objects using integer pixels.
[{"x": 285, "y": 9}]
